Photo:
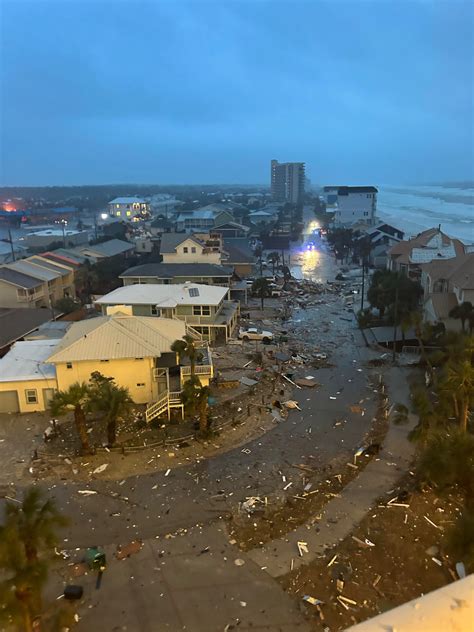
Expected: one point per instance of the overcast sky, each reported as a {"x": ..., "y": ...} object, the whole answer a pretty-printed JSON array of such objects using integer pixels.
[{"x": 209, "y": 92}]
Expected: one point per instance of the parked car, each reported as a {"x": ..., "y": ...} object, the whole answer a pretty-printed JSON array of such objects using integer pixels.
[{"x": 252, "y": 333}]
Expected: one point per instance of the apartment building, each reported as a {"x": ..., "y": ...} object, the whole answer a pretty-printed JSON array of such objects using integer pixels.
[
  {"x": 287, "y": 180},
  {"x": 352, "y": 204}
]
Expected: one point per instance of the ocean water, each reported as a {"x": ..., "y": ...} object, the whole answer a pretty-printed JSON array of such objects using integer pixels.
[{"x": 415, "y": 208}]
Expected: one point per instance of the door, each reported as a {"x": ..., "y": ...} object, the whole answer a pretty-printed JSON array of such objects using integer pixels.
[
  {"x": 47, "y": 396},
  {"x": 9, "y": 402}
]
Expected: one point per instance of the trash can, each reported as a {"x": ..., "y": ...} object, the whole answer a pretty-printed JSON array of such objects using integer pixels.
[{"x": 95, "y": 559}]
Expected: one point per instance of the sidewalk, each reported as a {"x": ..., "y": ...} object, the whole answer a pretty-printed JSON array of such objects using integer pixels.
[{"x": 342, "y": 514}]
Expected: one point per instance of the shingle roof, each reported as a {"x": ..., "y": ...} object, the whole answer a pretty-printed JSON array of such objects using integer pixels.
[
  {"x": 170, "y": 241},
  {"x": 16, "y": 323},
  {"x": 49, "y": 265},
  {"x": 443, "y": 303},
  {"x": 403, "y": 249},
  {"x": 156, "y": 294},
  {"x": 170, "y": 270},
  {"x": 463, "y": 276},
  {"x": 19, "y": 279},
  {"x": 26, "y": 361},
  {"x": 238, "y": 250},
  {"x": 108, "y": 248},
  {"x": 118, "y": 336}
]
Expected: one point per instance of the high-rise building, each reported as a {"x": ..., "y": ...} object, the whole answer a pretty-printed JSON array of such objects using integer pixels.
[{"x": 287, "y": 181}]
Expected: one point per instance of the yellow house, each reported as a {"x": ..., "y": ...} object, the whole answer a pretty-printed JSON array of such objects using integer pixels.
[
  {"x": 27, "y": 381},
  {"x": 134, "y": 350}
]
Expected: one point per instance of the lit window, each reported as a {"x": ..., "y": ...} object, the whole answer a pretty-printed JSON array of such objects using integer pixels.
[
  {"x": 31, "y": 396},
  {"x": 129, "y": 213},
  {"x": 68, "y": 365},
  {"x": 117, "y": 205},
  {"x": 118, "y": 213}
]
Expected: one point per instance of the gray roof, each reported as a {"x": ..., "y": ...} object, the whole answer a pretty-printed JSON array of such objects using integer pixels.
[
  {"x": 25, "y": 267},
  {"x": 19, "y": 279},
  {"x": 170, "y": 270},
  {"x": 16, "y": 323},
  {"x": 109, "y": 248},
  {"x": 49, "y": 265},
  {"x": 239, "y": 250},
  {"x": 169, "y": 241}
]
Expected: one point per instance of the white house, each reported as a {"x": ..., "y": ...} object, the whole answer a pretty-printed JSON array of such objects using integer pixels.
[
  {"x": 353, "y": 204},
  {"x": 129, "y": 208}
]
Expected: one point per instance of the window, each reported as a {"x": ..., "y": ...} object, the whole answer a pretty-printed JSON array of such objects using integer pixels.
[
  {"x": 193, "y": 249},
  {"x": 138, "y": 358},
  {"x": 103, "y": 360},
  {"x": 140, "y": 384},
  {"x": 196, "y": 310},
  {"x": 68, "y": 365},
  {"x": 194, "y": 291},
  {"x": 117, "y": 205},
  {"x": 31, "y": 396},
  {"x": 118, "y": 213},
  {"x": 155, "y": 311},
  {"x": 185, "y": 250},
  {"x": 128, "y": 213},
  {"x": 206, "y": 310},
  {"x": 201, "y": 310},
  {"x": 366, "y": 213}
]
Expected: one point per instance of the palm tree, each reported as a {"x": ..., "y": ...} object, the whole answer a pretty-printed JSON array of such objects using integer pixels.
[
  {"x": 76, "y": 398},
  {"x": 261, "y": 287},
  {"x": 28, "y": 532},
  {"x": 463, "y": 312},
  {"x": 274, "y": 259},
  {"x": 111, "y": 399},
  {"x": 187, "y": 348},
  {"x": 460, "y": 379},
  {"x": 195, "y": 398}
]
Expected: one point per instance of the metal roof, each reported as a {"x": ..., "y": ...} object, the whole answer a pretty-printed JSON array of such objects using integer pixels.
[
  {"x": 26, "y": 361},
  {"x": 170, "y": 270},
  {"x": 34, "y": 270},
  {"x": 118, "y": 337},
  {"x": 155, "y": 294},
  {"x": 19, "y": 279},
  {"x": 127, "y": 200}
]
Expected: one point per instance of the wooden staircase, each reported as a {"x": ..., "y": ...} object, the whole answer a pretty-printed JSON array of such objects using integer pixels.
[{"x": 164, "y": 404}]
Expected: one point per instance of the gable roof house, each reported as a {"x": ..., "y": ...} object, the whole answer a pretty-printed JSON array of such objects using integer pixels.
[
  {"x": 135, "y": 351},
  {"x": 204, "y": 308},
  {"x": 447, "y": 283},
  {"x": 191, "y": 248},
  {"x": 427, "y": 246},
  {"x": 382, "y": 237}
]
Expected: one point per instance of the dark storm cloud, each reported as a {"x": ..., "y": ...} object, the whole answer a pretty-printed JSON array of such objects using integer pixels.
[{"x": 210, "y": 91}]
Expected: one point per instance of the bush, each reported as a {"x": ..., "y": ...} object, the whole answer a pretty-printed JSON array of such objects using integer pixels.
[
  {"x": 448, "y": 462},
  {"x": 461, "y": 539}
]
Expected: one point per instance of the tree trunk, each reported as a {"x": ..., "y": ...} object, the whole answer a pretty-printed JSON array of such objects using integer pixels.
[
  {"x": 464, "y": 414},
  {"x": 112, "y": 432},
  {"x": 80, "y": 421},
  {"x": 203, "y": 418},
  {"x": 455, "y": 406},
  {"x": 261, "y": 297}
]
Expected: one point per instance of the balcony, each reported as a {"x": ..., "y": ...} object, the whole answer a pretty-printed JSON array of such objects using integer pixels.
[{"x": 27, "y": 297}]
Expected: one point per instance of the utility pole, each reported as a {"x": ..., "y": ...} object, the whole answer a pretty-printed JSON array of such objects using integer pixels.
[
  {"x": 363, "y": 285},
  {"x": 11, "y": 244},
  {"x": 395, "y": 316}
]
